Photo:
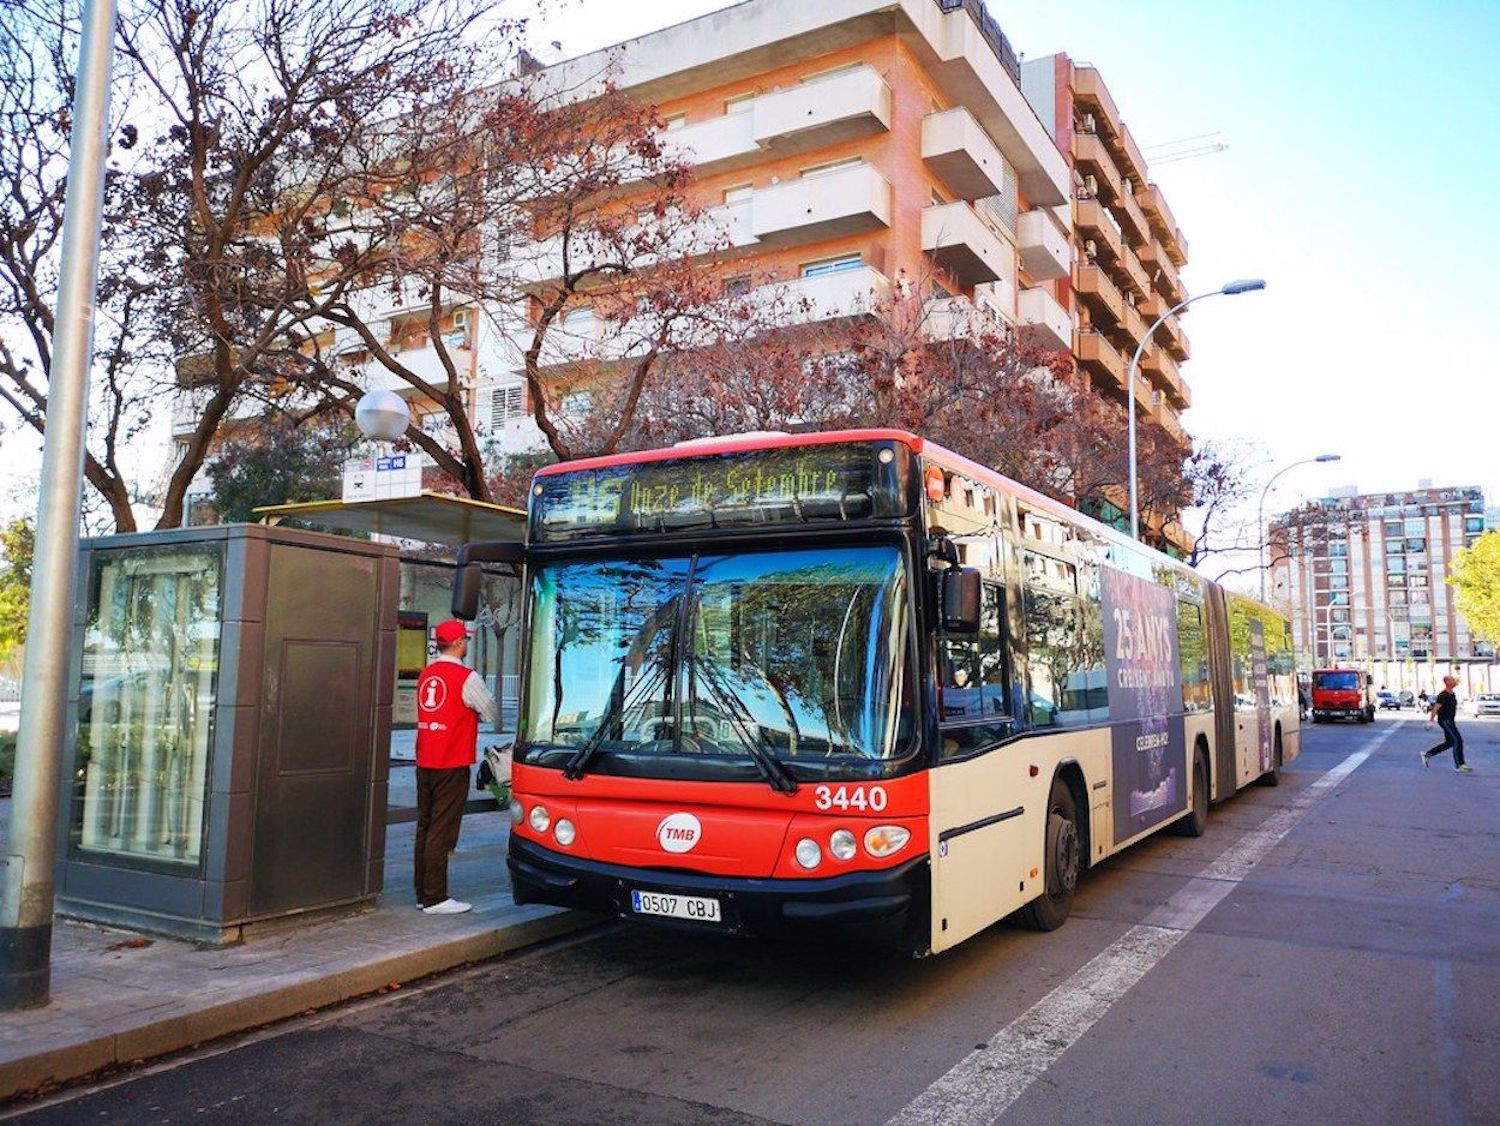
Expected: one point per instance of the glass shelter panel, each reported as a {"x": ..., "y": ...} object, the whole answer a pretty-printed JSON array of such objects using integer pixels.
[{"x": 146, "y": 703}]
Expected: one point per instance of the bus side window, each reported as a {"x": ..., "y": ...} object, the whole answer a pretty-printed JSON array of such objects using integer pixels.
[
  {"x": 1192, "y": 655},
  {"x": 972, "y": 678},
  {"x": 1065, "y": 660}
]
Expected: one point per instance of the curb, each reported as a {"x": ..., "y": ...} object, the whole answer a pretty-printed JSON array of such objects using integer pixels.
[{"x": 152, "y": 1038}]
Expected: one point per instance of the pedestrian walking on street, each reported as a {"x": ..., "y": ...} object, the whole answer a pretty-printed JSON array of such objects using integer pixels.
[
  {"x": 1444, "y": 712},
  {"x": 451, "y": 697}
]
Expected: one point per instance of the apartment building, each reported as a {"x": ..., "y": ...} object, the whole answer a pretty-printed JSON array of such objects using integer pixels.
[
  {"x": 1127, "y": 247},
  {"x": 842, "y": 145},
  {"x": 1365, "y": 576}
]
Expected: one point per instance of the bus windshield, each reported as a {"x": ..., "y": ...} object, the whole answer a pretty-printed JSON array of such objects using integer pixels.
[{"x": 788, "y": 654}]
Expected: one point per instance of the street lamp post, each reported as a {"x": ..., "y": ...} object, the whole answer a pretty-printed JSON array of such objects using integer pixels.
[
  {"x": 1229, "y": 289},
  {"x": 1260, "y": 520}
]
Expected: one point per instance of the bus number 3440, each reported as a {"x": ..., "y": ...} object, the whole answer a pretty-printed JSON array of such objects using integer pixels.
[{"x": 871, "y": 798}]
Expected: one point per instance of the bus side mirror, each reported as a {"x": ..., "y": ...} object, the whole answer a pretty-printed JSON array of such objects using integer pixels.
[
  {"x": 1369, "y": 680},
  {"x": 467, "y": 583},
  {"x": 961, "y": 600}
]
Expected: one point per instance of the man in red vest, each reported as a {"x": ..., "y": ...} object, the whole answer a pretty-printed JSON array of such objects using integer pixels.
[{"x": 450, "y": 699}]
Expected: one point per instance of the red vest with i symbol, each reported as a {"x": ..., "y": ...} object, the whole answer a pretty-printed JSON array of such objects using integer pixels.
[{"x": 447, "y": 728}]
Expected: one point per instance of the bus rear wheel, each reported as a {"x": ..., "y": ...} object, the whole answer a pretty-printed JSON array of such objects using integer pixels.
[
  {"x": 1272, "y": 777},
  {"x": 1063, "y": 861},
  {"x": 1194, "y": 824}
]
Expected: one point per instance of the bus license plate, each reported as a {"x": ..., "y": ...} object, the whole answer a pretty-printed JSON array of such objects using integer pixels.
[{"x": 698, "y": 908}]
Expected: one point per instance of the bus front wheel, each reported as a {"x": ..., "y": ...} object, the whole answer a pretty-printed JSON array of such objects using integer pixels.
[{"x": 1063, "y": 860}]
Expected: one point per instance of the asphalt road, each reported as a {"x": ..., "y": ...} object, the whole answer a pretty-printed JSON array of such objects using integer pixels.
[{"x": 1333, "y": 956}]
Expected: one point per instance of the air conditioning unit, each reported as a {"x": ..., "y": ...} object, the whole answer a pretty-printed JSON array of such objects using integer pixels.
[
  {"x": 1090, "y": 249},
  {"x": 1088, "y": 123},
  {"x": 1091, "y": 183},
  {"x": 460, "y": 318},
  {"x": 1127, "y": 186}
]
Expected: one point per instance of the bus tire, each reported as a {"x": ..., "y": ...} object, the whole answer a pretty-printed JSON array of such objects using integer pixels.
[
  {"x": 1062, "y": 862},
  {"x": 1272, "y": 777},
  {"x": 1196, "y": 822}
]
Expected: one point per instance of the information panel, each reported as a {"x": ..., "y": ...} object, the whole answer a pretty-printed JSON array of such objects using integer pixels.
[
  {"x": 798, "y": 484},
  {"x": 1145, "y": 701}
]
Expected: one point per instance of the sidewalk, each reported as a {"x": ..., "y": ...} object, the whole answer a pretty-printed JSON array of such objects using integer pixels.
[{"x": 115, "y": 1002}]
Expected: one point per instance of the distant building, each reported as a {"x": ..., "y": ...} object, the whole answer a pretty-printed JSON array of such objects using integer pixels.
[{"x": 1366, "y": 576}]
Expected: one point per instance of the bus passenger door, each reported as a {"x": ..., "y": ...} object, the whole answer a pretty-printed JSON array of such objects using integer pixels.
[
  {"x": 981, "y": 818},
  {"x": 1226, "y": 717}
]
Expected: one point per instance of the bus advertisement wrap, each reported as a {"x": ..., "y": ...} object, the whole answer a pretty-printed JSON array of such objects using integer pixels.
[
  {"x": 1260, "y": 676},
  {"x": 1149, "y": 745}
]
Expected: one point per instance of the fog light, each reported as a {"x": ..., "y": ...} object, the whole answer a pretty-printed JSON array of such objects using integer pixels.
[
  {"x": 841, "y": 844},
  {"x": 517, "y": 812},
  {"x": 809, "y": 855},
  {"x": 540, "y": 818},
  {"x": 885, "y": 840},
  {"x": 564, "y": 832}
]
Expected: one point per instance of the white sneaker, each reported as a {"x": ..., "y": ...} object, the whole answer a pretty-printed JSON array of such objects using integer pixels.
[{"x": 448, "y": 907}]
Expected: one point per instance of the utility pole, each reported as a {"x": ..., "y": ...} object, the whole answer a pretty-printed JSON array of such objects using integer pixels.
[{"x": 28, "y": 864}]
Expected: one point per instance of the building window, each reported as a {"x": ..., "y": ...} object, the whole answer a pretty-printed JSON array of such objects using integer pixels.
[
  {"x": 507, "y": 403},
  {"x": 740, "y": 193},
  {"x": 737, "y": 286},
  {"x": 838, "y": 265},
  {"x": 675, "y": 122},
  {"x": 831, "y": 167},
  {"x": 740, "y": 103}
]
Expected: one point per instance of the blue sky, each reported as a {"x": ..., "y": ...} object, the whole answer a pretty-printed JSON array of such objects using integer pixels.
[{"x": 1361, "y": 162}]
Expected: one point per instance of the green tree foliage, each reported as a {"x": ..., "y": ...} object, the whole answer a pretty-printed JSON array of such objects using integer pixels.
[
  {"x": 17, "y": 543},
  {"x": 1476, "y": 576},
  {"x": 281, "y": 464}
]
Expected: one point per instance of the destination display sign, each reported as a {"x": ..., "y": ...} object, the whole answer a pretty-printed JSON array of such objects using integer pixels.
[{"x": 799, "y": 484}]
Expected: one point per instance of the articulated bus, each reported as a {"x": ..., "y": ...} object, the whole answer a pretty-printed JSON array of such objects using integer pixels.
[{"x": 854, "y": 681}]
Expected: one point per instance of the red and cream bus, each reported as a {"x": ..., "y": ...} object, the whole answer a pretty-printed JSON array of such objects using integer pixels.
[{"x": 853, "y": 680}]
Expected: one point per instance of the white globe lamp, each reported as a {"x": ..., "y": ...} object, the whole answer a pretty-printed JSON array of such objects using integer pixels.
[{"x": 382, "y": 416}]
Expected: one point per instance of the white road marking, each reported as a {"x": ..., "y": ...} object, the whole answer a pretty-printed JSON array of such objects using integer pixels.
[{"x": 984, "y": 1084}]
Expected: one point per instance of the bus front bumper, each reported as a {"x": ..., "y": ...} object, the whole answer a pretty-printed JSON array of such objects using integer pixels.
[{"x": 884, "y": 906}]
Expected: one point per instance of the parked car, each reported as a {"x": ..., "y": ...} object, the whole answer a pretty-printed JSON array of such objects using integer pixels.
[
  {"x": 1407, "y": 697},
  {"x": 1388, "y": 701},
  {"x": 1487, "y": 703}
]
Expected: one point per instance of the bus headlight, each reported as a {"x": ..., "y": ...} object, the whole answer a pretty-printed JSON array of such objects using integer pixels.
[
  {"x": 886, "y": 840},
  {"x": 517, "y": 811},
  {"x": 540, "y": 818},
  {"x": 808, "y": 854},
  {"x": 841, "y": 844},
  {"x": 564, "y": 832}
]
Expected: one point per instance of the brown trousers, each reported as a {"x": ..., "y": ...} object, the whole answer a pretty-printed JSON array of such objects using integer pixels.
[{"x": 441, "y": 793}]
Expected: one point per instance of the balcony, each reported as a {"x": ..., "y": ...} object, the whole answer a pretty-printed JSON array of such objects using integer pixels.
[
  {"x": 425, "y": 364},
  {"x": 1099, "y": 293},
  {"x": 1132, "y": 220},
  {"x": 845, "y": 202},
  {"x": 1163, "y": 273},
  {"x": 1094, "y": 222},
  {"x": 824, "y": 111},
  {"x": 1137, "y": 281},
  {"x": 1043, "y": 321},
  {"x": 188, "y": 405},
  {"x": 1092, "y": 158},
  {"x": 1162, "y": 371},
  {"x": 956, "y": 147},
  {"x": 1170, "y": 335},
  {"x": 1132, "y": 163},
  {"x": 1162, "y": 222},
  {"x": 965, "y": 245},
  {"x": 1093, "y": 97},
  {"x": 1100, "y": 358},
  {"x": 1046, "y": 252},
  {"x": 1167, "y": 418},
  {"x": 965, "y": 54},
  {"x": 958, "y": 318}
]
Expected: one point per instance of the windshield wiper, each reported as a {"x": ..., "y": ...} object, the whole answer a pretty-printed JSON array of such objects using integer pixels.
[
  {"x": 574, "y": 768},
  {"x": 756, "y": 745}
]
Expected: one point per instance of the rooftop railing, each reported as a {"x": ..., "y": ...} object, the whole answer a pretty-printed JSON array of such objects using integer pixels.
[{"x": 990, "y": 30}]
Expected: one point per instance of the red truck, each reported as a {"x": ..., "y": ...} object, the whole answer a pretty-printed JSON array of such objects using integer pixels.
[{"x": 1343, "y": 694}]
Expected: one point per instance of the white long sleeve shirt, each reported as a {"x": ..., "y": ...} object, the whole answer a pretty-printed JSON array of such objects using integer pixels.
[{"x": 476, "y": 695}]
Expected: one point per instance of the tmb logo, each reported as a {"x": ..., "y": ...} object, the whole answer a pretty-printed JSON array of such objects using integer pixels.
[{"x": 678, "y": 832}]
